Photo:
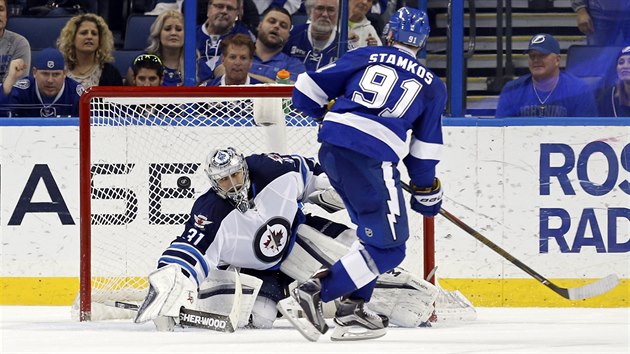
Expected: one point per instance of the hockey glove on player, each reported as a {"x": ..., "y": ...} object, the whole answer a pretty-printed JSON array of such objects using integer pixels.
[
  {"x": 326, "y": 109},
  {"x": 427, "y": 201}
]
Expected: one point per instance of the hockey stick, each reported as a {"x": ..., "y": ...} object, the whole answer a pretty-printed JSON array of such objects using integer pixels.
[
  {"x": 201, "y": 319},
  {"x": 583, "y": 292},
  {"x": 191, "y": 318}
]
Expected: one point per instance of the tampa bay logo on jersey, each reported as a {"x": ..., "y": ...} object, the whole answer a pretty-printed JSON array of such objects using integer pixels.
[{"x": 271, "y": 239}]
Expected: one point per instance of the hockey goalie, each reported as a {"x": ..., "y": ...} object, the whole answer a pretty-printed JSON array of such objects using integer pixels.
[{"x": 251, "y": 219}]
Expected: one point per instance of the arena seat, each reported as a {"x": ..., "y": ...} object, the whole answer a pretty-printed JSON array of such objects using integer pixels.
[
  {"x": 596, "y": 65},
  {"x": 41, "y": 32},
  {"x": 137, "y": 31},
  {"x": 124, "y": 58}
]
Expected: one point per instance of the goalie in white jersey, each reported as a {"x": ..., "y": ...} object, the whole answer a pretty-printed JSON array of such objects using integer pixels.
[
  {"x": 380, "y": 93},
  {"x": 251, "y": 218}
]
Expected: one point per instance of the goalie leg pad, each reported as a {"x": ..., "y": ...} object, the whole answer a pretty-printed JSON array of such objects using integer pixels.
[
  {"x": 217, "y": 294},
  {"x": 169, "y": 289},
  {"x": 264, "y": 313},
  {"x": 311, "y": 250},
  {"x": 405, "y": 298}
]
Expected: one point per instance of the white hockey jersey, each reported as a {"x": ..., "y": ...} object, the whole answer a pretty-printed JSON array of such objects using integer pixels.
[{"x": 217, "y": 234}]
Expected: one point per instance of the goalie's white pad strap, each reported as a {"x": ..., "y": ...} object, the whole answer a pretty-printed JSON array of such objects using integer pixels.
[
  {"x": 218, "y": 294},
  {"x": 169, "y": 289}
]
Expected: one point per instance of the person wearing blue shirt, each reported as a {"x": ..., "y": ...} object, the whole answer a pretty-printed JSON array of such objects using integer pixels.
[
  {"x": 273, "y": 33},
  {"x": 546, "y": 91},
  {"x": 315, "y": 43},
  {"x": 221, "y": 22},
  {"x": 380, "y": 93},
  {"x": 47, "y": 93}
]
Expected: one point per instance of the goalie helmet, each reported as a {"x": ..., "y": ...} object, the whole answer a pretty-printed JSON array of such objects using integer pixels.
[
  {"x": 409, "y": 26},
  {"x": 229, "y": 176}
]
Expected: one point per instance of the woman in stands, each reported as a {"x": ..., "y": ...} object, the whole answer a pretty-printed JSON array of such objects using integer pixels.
[
  {"x": 87, "y": 45},
  {"x": 166, "y": 40},
  {"x": 615, "y": 100}
]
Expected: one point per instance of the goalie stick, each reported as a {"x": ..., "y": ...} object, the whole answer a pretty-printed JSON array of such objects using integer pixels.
[
  {"x": 201, "y": 319},
  {"x": 598, "y": 287},
  {"x": 191, "y": 318}
]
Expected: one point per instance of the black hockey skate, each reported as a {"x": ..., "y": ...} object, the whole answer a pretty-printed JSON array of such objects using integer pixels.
[
  {"x": 306, "y": 297},
  {"x": 356, "y": 322}
]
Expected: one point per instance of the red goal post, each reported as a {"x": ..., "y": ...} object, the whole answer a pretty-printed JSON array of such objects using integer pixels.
[{"x": 136, "y": 142}]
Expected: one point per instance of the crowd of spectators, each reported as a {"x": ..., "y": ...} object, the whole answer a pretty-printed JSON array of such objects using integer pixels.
[{"x": 260, "y": 40}]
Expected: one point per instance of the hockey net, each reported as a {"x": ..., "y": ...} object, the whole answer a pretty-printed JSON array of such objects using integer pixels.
[{"x": 141, "y": 150}]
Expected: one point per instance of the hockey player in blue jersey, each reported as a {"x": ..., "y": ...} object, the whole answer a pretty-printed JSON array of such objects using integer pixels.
[
  {"x": 46, "y": 93},
  {"x": 380, "y": 94}
]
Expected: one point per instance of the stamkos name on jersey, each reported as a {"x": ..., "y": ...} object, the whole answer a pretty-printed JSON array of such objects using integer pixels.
[{"x": 409, "y": 65}]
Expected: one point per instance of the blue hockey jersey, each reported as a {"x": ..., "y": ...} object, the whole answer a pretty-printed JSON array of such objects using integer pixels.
[
  {"x": 218, "y": 234},
  {"x": 25, "y": 101},
  {"x": 381, "y": 93},
  {"x": 299, "y": 46}
]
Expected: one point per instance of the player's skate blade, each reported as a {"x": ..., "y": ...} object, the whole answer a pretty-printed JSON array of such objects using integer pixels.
[
  {"x": 289, "y": 308},
  {"x": 347, "y": 333}
]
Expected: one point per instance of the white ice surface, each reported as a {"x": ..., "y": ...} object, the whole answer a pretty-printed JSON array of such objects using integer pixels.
[{"x": 497, "y": 330}]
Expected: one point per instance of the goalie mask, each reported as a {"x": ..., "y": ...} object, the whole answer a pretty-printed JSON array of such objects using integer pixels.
[
  {"x": 229, "y": 176},
  {"x": 409, "y": 26}
]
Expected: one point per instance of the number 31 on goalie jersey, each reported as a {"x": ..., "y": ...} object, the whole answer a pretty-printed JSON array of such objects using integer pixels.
[
  {"x": 194, "y": 234},
  {"x": 379, "y": 81}
]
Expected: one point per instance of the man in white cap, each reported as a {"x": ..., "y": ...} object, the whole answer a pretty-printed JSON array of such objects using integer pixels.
[{"x": 47, "y": 93}]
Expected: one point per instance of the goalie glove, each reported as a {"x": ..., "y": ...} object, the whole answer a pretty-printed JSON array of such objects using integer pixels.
[
  {"x": 169, "y": 290},
  {"x": 427, "y": 201}
]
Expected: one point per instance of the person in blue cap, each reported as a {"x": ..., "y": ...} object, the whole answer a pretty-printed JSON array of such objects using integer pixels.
[
  {"x": 46, "y": 93},
  {"x": 546, "y": 91}
]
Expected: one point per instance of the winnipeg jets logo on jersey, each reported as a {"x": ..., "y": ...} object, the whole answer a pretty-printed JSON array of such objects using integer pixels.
[
  {"x": 201, "y": 221},
  {"x": 271, "y": 239}
]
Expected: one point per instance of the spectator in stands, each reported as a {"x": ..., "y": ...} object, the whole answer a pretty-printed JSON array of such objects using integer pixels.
[
  {"x": 237, "y": 56},
  {"x": 147, "y": 70},
  {"x": 546, "y": 91},
  {"x": 604, "y": 22},
  {"x": 166, "y": 40},
  {"x": 165, "y": 5},
  {"x": 292, "y": 6},
  {"x": 273, "y": 33},
  {"x": 12, "y": 45},
  {"x": 47, "y": 93},
  {"x": 87, "y": 44},
  {"x": 614, "y": 101},
  {"x": 361, "y": 33},
  {"x": 221, "y": 22},
  {"x": 315, "y": 43}
]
